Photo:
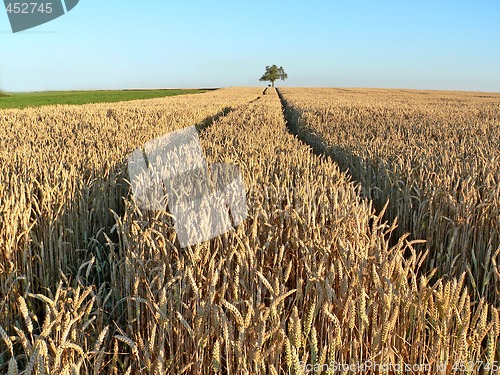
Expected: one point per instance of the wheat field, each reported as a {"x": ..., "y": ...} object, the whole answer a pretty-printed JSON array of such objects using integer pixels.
[
  {"x": 315, "y": 280},
  {"x": 434, "y": 155}
]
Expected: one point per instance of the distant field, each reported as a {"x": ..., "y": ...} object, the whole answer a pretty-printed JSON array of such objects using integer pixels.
[{"x": 37, "y": 99}]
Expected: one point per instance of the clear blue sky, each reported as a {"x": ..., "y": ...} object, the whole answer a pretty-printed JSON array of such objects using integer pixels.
[{"x": 111, "y": 44}]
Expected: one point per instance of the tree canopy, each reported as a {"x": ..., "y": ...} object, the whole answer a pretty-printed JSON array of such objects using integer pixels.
[{"x": 274, "y": 73}]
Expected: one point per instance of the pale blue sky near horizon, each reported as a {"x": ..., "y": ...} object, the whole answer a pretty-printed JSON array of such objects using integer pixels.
[{"x": 450, "y": 45}]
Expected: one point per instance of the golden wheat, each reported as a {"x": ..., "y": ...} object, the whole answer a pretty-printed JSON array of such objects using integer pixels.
[
  {"x": 434, "y": 155},
  {"x": 313, "y": 276}
]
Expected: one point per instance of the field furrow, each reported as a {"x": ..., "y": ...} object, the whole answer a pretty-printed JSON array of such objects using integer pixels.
[
  {"x": 435, "y": 157},
  {"x": 62, "y": 171},
  {"x": 313, "y": 278}
]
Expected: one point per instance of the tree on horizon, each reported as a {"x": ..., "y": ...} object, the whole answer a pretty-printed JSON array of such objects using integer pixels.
[{"x": 274, "y": 73}]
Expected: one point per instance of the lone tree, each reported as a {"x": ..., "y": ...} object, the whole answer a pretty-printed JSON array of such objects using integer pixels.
[{"x": 273, "y": 73}]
